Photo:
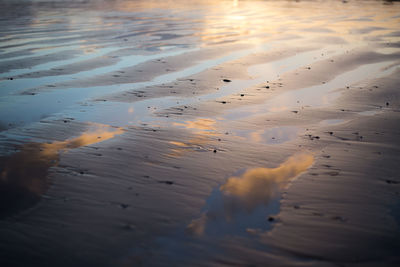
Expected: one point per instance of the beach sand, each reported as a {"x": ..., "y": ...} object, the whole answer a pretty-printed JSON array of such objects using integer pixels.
[{"x": 199, "y": 133}]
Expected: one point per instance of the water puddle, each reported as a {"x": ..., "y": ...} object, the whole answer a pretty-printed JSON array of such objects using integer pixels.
[
  {"x": 271, "y": 136},
  {"x": 198, "y": 143},
  {"x": 38, "y": 52},
  {"x": 314, "y": 96},
  {"x": 240, "y": 210},
  {"x": 97, "y": 52},
  {"x": 370, "y": 112},
  {"x": 58, "y": 100},
  {"x": 244, "y": 202},
  {"x": 200, "y": 126},
  {"x": 21, "y": 40},
  {"x": 269, "y": 72},
  {"x": 40, "y": 46},
  {"x": 332, "y": 122},
  {"x": 18, "y": 85},
  {"x": 139, "y": 112},
  {"x": 24, "y": 173}
]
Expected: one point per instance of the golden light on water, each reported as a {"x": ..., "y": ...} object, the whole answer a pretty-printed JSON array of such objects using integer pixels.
[
  {"x": 25, "y": 172},
  {"x": 255, "y": 187},
  {"x": 85, "y": 139},
  {"x": 202, "y": 128},
  {"x": 201, "y": 125},
  {"x": 213, "y": 93}
]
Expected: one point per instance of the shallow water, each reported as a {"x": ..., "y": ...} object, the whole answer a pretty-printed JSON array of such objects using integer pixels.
[{"x": 164, "y": 133}]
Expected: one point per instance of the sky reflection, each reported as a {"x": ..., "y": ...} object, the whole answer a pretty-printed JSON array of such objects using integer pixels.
[
  {"x": 244, "y": 201},
  {"x": 23, "y": 175},
  {"x": 200, "y": 126}
]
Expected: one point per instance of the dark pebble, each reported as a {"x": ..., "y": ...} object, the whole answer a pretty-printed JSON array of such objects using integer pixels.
[
  {"x": 215, "y": 151},
  {"x": 166, "y": 182},
  {"x": 271, "y": 219},
  {"x": 332, "y": 173},
  {"x": 227, "y": 80},
  {"x": 339, "y": 218},
  {"x": 128, "y": 227}
]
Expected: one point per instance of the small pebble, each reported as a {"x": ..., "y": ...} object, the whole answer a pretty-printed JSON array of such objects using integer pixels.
[{"x": 167, "y": 182}]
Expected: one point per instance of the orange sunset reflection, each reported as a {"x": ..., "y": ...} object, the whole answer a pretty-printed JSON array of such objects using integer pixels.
[
  {"x": 23, "y": 178},
  {"x": 254, "y": 188}
]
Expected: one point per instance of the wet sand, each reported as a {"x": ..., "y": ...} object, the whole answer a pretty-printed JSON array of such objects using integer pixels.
[{"x": 201, "y": 133}]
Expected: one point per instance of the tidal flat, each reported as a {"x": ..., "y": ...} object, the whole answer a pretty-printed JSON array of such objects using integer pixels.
[{"x": 199, "y": 133}]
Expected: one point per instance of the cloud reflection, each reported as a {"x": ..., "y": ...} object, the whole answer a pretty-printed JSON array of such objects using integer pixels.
[
  {"x": 202, "y": 125},
  {"x": 23, "y": 174},
  {"x": 243, "y": 200},
  {"x": 203, "y": 128}
]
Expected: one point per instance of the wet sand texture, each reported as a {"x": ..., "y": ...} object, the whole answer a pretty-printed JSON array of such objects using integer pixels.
[{"x": 199, "y": 133}]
